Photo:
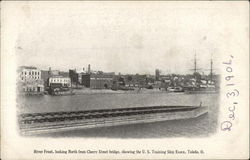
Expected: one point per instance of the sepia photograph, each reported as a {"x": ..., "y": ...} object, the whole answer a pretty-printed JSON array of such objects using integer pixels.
[
  {"x": 79, "y": 77},
  {"x": 132, "y": 71}
]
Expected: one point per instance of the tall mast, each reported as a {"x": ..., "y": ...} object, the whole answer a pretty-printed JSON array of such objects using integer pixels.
[
  {"x": 211, "y": 69},
  {"x": 195, "y": 69}
]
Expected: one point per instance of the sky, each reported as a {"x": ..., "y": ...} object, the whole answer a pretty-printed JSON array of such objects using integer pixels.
[{"x": 126, "y": 37}]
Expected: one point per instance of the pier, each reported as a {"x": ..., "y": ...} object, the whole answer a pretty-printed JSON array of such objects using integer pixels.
[{"x": 38, "y": 123}]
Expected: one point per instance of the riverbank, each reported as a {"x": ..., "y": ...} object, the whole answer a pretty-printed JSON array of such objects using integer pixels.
[
  {"x": 108, "y": 91},
  {"x": 88, "y": 91}
]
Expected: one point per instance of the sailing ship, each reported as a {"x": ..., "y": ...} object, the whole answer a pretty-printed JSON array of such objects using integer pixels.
[{"x": 199, "y": 85}]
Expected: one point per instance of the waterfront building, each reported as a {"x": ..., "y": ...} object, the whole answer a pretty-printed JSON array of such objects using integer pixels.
[
  {"x": 157, "y": 74},
  {"x": 31, "y": 87},
  {"x": 98, "y": 81},
  {"x": 130, "y": 81},
  {"x": 133, "y": 80},
  {"x": 80, "y": 77},
  {"x": 73, "y": 75},
  {"x": 101, "y": 81},
  {"x": 53, "y": 72},
  {"x": 29, "y": 73},
  {"x": 63, "y": 74},
  {"x": 85, "y": 80},
  {"x": 29, "y": 80},
  {"x": 64, "y": 82},
  {"x": 141, "y": 80},
  {"x": 45, "y": 76}
]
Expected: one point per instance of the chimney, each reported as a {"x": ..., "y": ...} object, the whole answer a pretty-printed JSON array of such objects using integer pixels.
[
  {"x": 49, "y": 71},
  {"x": 89, "y": 68}
]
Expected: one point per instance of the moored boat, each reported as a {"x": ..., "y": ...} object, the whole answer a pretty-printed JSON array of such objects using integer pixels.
[{"x": 175, "y": 89}]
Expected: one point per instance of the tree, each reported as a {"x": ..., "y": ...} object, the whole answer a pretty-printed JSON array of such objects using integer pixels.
[
  {"x": 130, "y": 78},
  {"x": 121, "y": 81}
]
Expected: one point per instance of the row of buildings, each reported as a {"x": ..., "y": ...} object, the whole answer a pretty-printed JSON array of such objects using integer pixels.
[{"x": 32, "y": 80}]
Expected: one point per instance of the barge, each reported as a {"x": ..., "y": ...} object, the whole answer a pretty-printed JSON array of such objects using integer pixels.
[{"x": 38, "y": 123}]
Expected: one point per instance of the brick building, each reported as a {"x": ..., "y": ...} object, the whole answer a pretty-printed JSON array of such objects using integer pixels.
[{"x": 97, "y": 81}]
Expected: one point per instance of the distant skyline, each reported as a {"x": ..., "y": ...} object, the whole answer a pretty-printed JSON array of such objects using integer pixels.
[{"x": 122, "y": 37}]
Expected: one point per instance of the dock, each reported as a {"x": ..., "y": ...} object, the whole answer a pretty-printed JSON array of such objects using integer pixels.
[{"x": 38, "y": 123}]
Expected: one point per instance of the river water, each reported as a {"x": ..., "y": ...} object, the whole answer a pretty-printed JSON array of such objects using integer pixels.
[{"x": 204, "y": 125}]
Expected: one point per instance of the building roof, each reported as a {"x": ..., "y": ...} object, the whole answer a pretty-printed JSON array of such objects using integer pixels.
[
  {"x": 27, "y": 67},
  {"x": 58, "y": 76},
  {"x": 64, "y": 74},
  {"x": 101, "y": 76}
]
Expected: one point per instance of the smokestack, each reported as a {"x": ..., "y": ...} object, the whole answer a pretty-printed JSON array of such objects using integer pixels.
[
  {"x": 49, "y": 71},
  {"x": 89, "y": 68}
]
